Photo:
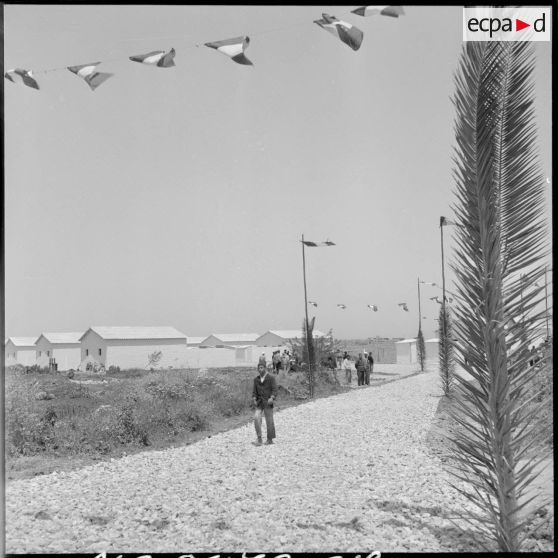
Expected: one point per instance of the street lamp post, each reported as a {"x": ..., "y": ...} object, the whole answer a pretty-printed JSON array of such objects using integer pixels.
[
  {"x": 420, "y": 342},
  {"x": 307, "y": 323},
  {"x": 546, "y": 303}
]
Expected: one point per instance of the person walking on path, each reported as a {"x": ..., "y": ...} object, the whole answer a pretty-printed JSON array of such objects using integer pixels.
[
  {"x": 262, "y": 360},
  {"x": 370, "y": 366},
  {"x": 263, "y": 396},
  {"x": 360, "y": 366},
  {"x": 346, "y": 366}
]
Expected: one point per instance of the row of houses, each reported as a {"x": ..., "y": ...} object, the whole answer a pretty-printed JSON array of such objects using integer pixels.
[{"x": 143, "y": 347}]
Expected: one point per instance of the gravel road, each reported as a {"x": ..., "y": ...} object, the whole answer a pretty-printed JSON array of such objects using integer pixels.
[{"x": 347, "y": 473}]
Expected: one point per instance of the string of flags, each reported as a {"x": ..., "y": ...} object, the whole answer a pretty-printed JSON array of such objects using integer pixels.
[
  {"x": 403, "y": 305},
  {"x": 233, "y": 48}
]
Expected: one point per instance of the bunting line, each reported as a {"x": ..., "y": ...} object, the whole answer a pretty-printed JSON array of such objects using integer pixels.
[{"x": 233, "y": 48}]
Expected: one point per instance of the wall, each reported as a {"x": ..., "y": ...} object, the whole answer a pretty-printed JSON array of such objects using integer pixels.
[
  {"x": 269, "y": 339},
  {"x": 406, "y": 353},
  {"x": 134, "y": 353},
  {"x": 92, "y": 342},
  {"x": 431, "y": 350},
  {"x": 383, "y": 350},
  {"x": 42, "y": 348},
  {"x": 67, "y": 356},
  {"x": 26, "y": 356}
]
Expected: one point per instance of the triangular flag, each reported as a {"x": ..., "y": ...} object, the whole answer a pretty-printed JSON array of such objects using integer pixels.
[
  {"x": 233, "y": 48},
  {"x": 392, "y": 11},
  {"x": 19, "y": 75},
  {"x": 317, "y": 244},
  {"x": 88, "y": 73},
  {"x": 156, "y": 58},
  {"x": 346, "y": 32}
]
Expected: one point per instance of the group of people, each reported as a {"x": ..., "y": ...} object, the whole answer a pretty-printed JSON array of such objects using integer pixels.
[
  {"x": 280, "y": 361},
  {"x": 364, "y": 366}
]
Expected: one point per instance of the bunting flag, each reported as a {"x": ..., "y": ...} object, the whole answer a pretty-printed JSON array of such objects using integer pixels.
[
  {"x": 18, "y": 75},
  {"x": 233, "y": 48},
  {"x": 314, "y": 304},
  {"x": 404, "y": 306},
  {"x": 87, "y": 72},
  {"x": 347, "y": 33},
  {"x": 317, "y": 244},
  {"x": 445, "y": 222},
  {"x": 373, "y": 307},
  {"x": 391, "y": 11},
  {"x": 156, "y": 58},
  {"x": 342, "y": 306}
]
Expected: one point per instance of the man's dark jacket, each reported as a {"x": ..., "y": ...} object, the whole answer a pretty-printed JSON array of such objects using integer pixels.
[{"x": 264, "y": 390}]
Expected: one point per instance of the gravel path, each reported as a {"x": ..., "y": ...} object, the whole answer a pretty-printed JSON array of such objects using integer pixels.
[{"x": 347, "y": 473}]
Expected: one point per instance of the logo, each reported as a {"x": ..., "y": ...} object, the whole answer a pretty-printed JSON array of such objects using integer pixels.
[{"x": 506, "y": 24}]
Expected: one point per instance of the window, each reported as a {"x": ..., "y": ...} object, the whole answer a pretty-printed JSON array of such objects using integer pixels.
[
  {"x": 40, "y": 353},
  {"x": 86, "y": 352},
  {"x": 100, "y": 352},
  {"x": 48, "y": 353}
]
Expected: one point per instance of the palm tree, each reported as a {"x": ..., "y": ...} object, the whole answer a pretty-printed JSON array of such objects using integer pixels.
[
  {"x": 446, "y": 351},
  {"x": 421, "y": 349},
  {"x": 499, "y": 190}
]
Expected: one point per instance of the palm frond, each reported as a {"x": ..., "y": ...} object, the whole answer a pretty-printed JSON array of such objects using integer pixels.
[{"x": 499, "y": 191}]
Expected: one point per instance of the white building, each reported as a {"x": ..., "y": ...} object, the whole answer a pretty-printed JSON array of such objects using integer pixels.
[
  {"x": 63, "y": 347},
  {"x": 20, "y": 350},
  {"x": 229, "y": 340},
  {"x": 194, "y": 341},
  {"x": 134, "y": 347},
  {"x": 406, "y": 351},
  {"x": 432, "y": 346},
  {"x": 281, "y": 337}
]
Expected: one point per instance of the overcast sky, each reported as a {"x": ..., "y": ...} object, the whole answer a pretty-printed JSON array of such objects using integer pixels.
[{"x": 178, "y": 196}]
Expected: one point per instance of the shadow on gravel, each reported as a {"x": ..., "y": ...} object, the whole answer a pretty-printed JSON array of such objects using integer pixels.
[{"x": 410, "y": 516}]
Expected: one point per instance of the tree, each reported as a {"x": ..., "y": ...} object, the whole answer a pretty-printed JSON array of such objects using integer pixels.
[
  {"x": 446, "y": 351},
  {"x": 499, "y": 190},
  {"x": 154, "y": 358},
  {"x": 421, "y": 349}
]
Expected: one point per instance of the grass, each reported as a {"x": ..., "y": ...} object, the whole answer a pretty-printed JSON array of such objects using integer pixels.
[{"x": 93, "y": 417}]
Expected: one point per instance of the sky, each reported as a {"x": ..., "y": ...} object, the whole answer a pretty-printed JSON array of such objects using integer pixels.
[{"x": 178, "y": 196}]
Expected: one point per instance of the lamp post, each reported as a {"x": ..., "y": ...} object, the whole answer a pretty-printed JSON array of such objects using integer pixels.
[
  {"x": 546, "y": 303},
  {"x": 307, "y": 324}
]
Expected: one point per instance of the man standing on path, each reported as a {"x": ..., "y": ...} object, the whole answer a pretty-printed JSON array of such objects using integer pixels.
[
  {"x": 360, "y": 366},
  {"x": 263, "y": 395},
  {"x": 370, "y": 366}
]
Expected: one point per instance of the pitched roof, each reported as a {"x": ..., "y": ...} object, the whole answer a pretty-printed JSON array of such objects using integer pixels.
[
  {"x": 121, "y": 333},
  {"x": 195, "y": 340},
  {"x": 234, "y": 337},
  {"x": 66, "y": 337},
  {"x": 22, "y": 341},
  {"x": 293, "y": 333}
]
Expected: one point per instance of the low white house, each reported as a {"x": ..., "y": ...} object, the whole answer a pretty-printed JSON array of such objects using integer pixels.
[
  {"x": 432, "y": 346},
  {"x": 406, "y": 351},
  {"x": 281, "y": 337},
  {"x": 64, "y": 348},
  {"x": 134, "y": 347},
  {"x": 194, "y": 341},
  {"x": 229, "y": 339},
  {"x": 20, "y": 350}
]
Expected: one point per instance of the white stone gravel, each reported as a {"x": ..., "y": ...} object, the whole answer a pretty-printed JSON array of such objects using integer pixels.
[{"x": 347, "y": 473}]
